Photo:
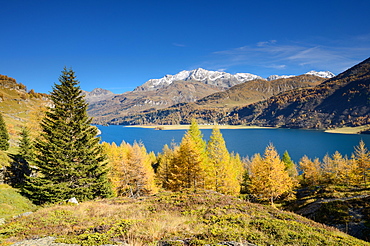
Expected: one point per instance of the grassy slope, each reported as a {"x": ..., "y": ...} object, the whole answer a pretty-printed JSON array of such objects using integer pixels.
[
  {"x": 344, "y": 207},
  {"x": 12, "y": 203},
  {"x": 201, "y": 218},
  {"x": 19, "y": 109}
]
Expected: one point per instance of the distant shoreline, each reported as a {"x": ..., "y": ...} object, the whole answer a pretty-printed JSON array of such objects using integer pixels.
[
  {"x": 186, "y": 127},
  {"x": 349, "y": 130},
  {"x": 342, "y": 130}
]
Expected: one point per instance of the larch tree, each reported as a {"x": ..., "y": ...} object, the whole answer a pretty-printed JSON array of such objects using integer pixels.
[
  {"x": 69, "y": 157},
  {"x": 165, "y": 168},
  {"x": 311, "y": 171},
  {"x": 221, "y": 175},
  {"x": 361, "y": 156},
  {"x": 4, "y": 135},
  {"x": 131, "y": 172},
  {"x": 200, "y": 144},
  {"x": 268, "y": 177},
  {"x": 117, "y": 159},
  {"x": 187, "y": 169},
  {"x": 140, "y": 172}
]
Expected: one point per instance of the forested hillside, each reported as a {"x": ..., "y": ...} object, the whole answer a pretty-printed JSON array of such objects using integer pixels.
[
  {"x": 215, "y": 107},
  {"x": 134, "y": 102},
  {"x": 341, "y": 101}
]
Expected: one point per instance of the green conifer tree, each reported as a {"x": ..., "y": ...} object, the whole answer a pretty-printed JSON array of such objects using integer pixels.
[
  {"x": 290, "y": 166},
  {"x": 70, "y": 159},
  {"x": 4, "y": 135},
  {"x": 21, "y": 164},
  {"x": 26, "y": 147}
]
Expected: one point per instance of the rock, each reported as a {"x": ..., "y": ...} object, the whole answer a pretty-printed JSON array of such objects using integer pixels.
[
  {"x": 72, "y": 200},
  {"x": 23, "y": 215}
]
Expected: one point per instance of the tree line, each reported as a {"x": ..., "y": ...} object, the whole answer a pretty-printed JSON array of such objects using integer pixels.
[{"x": 67, "y": 160}]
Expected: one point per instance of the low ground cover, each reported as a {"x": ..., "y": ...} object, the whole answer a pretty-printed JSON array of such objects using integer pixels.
[{"x": 201, "y": 218}]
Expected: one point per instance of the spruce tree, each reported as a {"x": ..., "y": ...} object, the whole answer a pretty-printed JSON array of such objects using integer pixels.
[
  {"x": 290, "y": 166},
  {"x": 4, "y": 136},
  {"x": 21, "y": 165},
  {"x": 70, "y": 160},
  {"x": 26, "y": 148}
]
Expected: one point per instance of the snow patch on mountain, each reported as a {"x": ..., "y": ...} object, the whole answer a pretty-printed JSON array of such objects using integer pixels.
[
  {"x": 222, "y": 80},
  {"x": 322, "y": 74},
  {"x": 274, "y": 77},
  {"x": 216, "y": 78}
]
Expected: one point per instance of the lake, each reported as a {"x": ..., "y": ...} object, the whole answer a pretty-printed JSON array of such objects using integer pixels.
[{"x": 246, "y": 142}]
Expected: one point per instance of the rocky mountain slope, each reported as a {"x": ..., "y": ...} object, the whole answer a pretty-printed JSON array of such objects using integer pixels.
[
  {"x": 134, "y": 102},
  {"x": 98, "y": 94},
  {"x": 185, "y": 87},
  {"x": 20, "y": 107},
  {"x": 219, "y": 79},
  {"x": 215, "y": 107},
  {"x": 340, "y": 101}
]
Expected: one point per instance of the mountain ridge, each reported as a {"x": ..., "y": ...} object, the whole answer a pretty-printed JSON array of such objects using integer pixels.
[
  {"x": 343, "y": 100},
  {"x": 222, "y": 80}
]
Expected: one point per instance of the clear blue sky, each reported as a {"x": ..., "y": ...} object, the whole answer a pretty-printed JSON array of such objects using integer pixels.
[{"x": 120, "y": 44}]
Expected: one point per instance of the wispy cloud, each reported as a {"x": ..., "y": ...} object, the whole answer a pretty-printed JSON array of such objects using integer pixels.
[
  {"x": 178, "y": 45},
  {"x": 290, "y": 56}
]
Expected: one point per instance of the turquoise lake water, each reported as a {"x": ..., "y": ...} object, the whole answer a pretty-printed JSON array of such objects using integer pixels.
[{"x": 246, "y": 142}]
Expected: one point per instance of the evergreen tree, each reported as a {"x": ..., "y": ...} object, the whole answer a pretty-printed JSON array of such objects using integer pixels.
[
  {"x": 290, "y": 166},
  {"x": 4, "y": 135},
  {"x": 26, "y": 147},
  {"x": 70, "y": 159},
  {"x": 21, "y": 165}
]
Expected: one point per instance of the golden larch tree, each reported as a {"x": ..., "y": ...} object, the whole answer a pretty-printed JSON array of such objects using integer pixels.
[
  {"x": 311, "y": 171},
  {"x": 362, "y": 158},
  {"x": 268, "y": 177}
]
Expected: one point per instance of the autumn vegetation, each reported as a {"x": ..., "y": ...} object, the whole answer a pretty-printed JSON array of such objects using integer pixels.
[{"x": 195, "y": 190}]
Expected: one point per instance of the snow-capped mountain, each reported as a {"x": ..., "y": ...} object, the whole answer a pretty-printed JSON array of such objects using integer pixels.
[
  {"x": 275, "y": 77},
  {"x": 322, "y": 74},
  {"x": 220, "y": 79}
]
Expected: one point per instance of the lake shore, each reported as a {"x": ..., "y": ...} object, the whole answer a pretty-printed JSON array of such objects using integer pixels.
[
  {"x": 349, "y": 130},
  {"x": 186, "y": 127}
]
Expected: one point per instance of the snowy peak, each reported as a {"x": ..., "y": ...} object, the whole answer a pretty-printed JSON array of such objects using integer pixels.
[
  {"x": 275, "y": 77},
  {"x": 219, "y": 79},
  {"x": 322, "y": 74}
]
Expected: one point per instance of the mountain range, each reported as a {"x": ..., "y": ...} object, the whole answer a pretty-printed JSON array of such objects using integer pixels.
[
  {"x": 315, "y": 100},
  {"x": 189, "y": 87},
  {"x": 343, "y": 100}
]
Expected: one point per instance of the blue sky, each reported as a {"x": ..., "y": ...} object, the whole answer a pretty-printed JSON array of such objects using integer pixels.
[{"x": 120, "y": 44}]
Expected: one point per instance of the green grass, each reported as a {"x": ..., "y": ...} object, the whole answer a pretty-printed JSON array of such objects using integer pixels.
[
  {"x": 202, "y": 218},
  {"x": 12, "y": 203}
]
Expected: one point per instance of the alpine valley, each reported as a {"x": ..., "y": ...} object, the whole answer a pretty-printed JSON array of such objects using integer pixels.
[{"x": 206, "y": 95}]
